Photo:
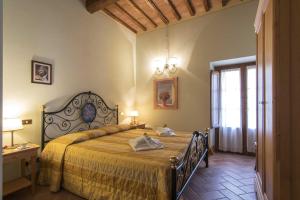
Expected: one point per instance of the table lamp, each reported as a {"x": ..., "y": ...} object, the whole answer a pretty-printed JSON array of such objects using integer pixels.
[
  {"x": 11, "y": 125},
  {"x": 133, "y": 114}
]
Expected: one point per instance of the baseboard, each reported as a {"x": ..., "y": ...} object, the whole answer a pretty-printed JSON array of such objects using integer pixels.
[
  {"x": 258, "y": 188},
  {"x": 245, "y": 154}
]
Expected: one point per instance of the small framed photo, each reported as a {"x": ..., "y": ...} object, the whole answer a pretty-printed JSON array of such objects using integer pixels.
[
  {"x": 41, "y": 72},
  {"x": 166, "y": 93}
]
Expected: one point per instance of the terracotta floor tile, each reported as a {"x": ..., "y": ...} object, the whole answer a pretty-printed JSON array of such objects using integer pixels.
[
  {"x": 198, "y": 188},
  {"x": 250, "y": 196},
  {"x": 248, "y": 188},
  {"x": 190, "y": 194},
  {"x": 233, "y": 181},
  {"x": 213, "y": 186},
  {"x": 218, "y": 179},
  {"x": 211, "y": 195},
  {"x": 247, "y": 181},
  {"x": 248, "y": 175},
  {"x": 235, "y": 176},
  {"x": 233, "y": 188},
  {"x": 227, "y": 170},
  {"x": 230, "y": 195}
]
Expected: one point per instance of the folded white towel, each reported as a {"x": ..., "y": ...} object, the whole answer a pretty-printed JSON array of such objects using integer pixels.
[
  {"x": 145, "y": 142},
  {"x": 165, "y": 131}
]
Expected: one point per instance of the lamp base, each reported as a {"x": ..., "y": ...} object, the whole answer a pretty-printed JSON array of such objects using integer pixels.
[
  {"x": 133, "y": 121},
  {"x": 12, "y": 145},
  {"x": 12, "y": 138}
]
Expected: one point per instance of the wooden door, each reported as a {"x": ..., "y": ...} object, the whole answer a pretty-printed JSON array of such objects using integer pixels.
[
  {"x": 280, "y": 52},
  {"x": 269, "y": 130},
  {"x": 266, "y": 135},
  {"x": 260, "y": 108}
]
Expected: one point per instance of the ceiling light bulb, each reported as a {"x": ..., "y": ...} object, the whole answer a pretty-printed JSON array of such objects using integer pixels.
[{"x": 173, "y": 61}]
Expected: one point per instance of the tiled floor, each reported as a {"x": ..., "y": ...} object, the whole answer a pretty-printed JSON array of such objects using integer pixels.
[{"x": 229, "y": 176}]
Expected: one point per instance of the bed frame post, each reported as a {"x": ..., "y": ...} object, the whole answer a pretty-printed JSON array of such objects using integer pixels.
[
  {"x": 174, "y": 161},
  {"x": 43, "y": 129},
  {"x": 117, "y": 109},
  {"x": 206, "y": 146}
]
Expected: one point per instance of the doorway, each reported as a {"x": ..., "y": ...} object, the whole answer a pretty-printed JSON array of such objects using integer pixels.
[{"x": 233, "y": 107}]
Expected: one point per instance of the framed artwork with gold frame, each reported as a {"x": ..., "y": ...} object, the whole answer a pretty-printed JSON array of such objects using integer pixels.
[{"x": 166, "y": 93}]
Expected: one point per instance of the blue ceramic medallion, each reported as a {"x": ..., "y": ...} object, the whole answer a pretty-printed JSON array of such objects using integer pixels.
[{"x": 88, "y": 112}]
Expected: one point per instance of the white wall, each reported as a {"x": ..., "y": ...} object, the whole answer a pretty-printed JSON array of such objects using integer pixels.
[
  {"x": 217, "y": 36},
  {"x": 88, "y": 52}
]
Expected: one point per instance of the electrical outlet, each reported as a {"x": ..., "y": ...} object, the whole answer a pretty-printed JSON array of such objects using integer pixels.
[{"x": 27, "y": 121}]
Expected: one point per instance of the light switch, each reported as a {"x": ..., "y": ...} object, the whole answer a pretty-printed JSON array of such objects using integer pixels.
[{"x": 27, "y": 121}]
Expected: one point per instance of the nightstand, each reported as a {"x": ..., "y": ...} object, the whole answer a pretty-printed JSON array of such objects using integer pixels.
[
  {"x": 28, "y": 154},
  {"x": 140, "y": 126}
]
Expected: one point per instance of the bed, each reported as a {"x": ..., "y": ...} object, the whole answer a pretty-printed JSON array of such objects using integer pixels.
[{"x": 86, "y": 152}]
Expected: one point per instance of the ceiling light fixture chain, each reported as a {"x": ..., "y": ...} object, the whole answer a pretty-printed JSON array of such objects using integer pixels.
[
  {"x": 169, "y": 68},
  {"x": 168, "y": 43}
]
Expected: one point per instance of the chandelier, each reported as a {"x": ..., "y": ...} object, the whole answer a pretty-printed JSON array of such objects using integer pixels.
[{"x": 168, "y": 66}]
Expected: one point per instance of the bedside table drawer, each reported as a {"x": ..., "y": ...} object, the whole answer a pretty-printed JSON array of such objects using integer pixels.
[{"x": 18, "y": 155}]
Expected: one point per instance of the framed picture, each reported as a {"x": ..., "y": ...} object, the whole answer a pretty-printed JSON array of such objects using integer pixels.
[
  {"x": 41, "y": 72},
  {"x": 166, "y": 93}
]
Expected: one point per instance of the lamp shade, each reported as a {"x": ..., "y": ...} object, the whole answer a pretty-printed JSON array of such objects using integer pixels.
[
  {"x": 12, "y": 124},
  {"x": 133, "y": 113}
]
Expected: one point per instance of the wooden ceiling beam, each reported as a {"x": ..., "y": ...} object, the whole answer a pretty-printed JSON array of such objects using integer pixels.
[
  {"x": 190, "y": 7},
  {"x": 224, "y": 2},
  {"x": 96, "y": 5},
  {"x": 159, "y": 12},
  {"x": 139, "y": 24},
  {"x": 207, "y": 5},
  {"x": 109, "y": 13},
  {"x": 141, "y": 11},
  {"x": 174, "y": 10}
]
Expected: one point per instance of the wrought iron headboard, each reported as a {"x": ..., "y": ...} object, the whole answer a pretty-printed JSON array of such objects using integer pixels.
[{"x": 84, "y": 111}]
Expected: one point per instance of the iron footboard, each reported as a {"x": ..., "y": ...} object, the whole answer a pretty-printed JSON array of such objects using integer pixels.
[{"x": 183, "y": 170}]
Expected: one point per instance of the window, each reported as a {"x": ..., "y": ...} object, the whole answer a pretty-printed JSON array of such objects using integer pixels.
[
  {"x": 233, "y": 107},
  {"x": 230, "y": 98},
  {"x": 251, "y": 97},
  {"x": 215, "y": 99}
]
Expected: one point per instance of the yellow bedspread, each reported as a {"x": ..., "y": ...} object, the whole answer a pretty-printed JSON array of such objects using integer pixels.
[{"x": 104, "y": 167}]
